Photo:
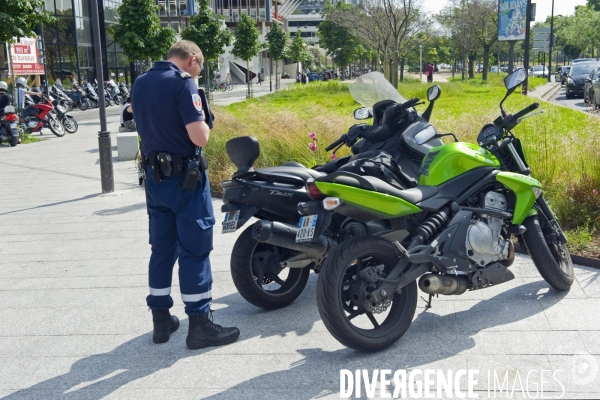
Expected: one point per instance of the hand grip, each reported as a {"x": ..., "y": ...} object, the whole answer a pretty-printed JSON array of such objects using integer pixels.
[
  {"x": 526, "y": 110},
  {"x": 336, "y": 143}
]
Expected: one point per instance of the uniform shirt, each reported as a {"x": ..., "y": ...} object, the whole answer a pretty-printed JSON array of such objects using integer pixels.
[
  {"x": 5, "y": 100},
  {"x": 164, "y": 104}
]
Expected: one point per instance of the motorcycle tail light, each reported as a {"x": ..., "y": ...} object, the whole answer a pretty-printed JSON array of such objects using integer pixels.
[
  {"x": 10, "y": 117},
  {"x": 313, "y": 191}
]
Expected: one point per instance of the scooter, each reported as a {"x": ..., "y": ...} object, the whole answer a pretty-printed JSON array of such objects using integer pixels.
[
  {"x": 9, "y": 130},
  {"x": 67, "y": 121},
  {"x": 79, "y": 98}
]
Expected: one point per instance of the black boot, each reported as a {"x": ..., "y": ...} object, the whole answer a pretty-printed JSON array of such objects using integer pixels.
[
  {"x": 164, "y": 325},
  {"x": 203, "y": 332}
]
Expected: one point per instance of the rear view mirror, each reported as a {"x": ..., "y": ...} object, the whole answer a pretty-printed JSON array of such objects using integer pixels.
[
  {"x": 433, "y": 93},
  {"x": 362, "y": 113},
  {"x": 515, "y": 79}
]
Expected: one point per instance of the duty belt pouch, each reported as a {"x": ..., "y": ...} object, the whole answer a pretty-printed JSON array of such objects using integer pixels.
[
  {"x": 154, "y": 165},
  {"x": 191, "y": 175},
  {"x": 165, "y": 163}
]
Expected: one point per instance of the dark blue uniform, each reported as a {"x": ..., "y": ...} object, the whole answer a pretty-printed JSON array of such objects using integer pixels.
[{"x": 165, "y": 100}]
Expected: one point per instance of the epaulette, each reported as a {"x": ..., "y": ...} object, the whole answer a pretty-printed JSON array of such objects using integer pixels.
[{"x": 184, "y": 75}]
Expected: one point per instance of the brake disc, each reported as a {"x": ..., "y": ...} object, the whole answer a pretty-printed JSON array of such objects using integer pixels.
[{"x": 369, "y": 306}]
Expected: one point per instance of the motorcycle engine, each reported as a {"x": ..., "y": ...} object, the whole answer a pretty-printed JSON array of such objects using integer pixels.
[
  {"x": 484, "y": 241},
  {"x": 31, "y": 122}
]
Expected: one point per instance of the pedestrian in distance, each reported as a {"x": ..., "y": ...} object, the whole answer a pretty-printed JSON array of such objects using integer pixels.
[
  {"x": 228, "y": 78},
  {"x": 127, "y": 121},
  {"x": 258, "y": 77},
  {"x": 174, "y": 124},
  {"x": 429, "y": 72}
]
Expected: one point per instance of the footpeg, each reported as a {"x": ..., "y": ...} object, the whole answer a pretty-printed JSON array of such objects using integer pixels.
[{"x": 403, "y": 252}]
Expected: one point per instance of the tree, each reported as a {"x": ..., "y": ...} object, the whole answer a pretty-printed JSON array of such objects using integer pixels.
[
  {"x": 208, "y": 31},
  {"x": 139, "y": 33},
  {"x": 594, "y": 4},
  {"x": 484, "y": 16},
  {"x": 277, "y": 41},
  {"x": 18, "y": 19},
  {"x": 246, "y": 45},
  {"x": 297, "y": 50}
]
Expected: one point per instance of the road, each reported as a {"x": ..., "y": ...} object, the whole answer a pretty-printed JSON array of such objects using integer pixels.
[{"x": 576, "y": 104}]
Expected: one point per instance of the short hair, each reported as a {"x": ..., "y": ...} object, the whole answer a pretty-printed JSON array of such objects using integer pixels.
[{"x": 185, "y": 49}]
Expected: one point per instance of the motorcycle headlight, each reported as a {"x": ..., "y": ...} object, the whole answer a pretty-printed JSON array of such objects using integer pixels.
[
  {"x": 570, "y": 81},
  {"x": 537, "y": 192}
]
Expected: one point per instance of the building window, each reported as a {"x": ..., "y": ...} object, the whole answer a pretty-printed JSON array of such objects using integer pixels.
[
  {"x": 226, "y": 15},
  {"x": 182, "y": 7},
  {"x": 50, "y": 6},
  {"x": 162, "y": 8},
  {"x": 262, "y": 15},
  {"x": 253, "y": 14},
  {"x": 173, "y": 8},
  {"x": 175, "y": 26},
  {"x": 235, "y": 15},
  {"x": 244, "y": 11}
]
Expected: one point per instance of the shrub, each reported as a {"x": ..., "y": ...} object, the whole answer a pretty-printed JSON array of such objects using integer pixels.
[{"x": 584, "y": 199}]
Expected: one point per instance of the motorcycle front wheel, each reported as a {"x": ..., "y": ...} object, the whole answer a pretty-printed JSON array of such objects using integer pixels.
[
  {"x": 55, "y": 126},
  {"x": 257, "y": 277},
  {"x": 70, "y": 124},
  {"x": 551, "y": 258},
  {"x": 343, "y": 303},
  {"x": 83, "y": 104}
]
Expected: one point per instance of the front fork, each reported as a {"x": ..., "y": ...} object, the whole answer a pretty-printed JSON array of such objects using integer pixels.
[{"x": 548, "y": 215}]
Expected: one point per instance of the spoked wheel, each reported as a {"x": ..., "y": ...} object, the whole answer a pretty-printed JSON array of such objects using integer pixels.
[
  {"x": 55, "y": 126},
  {"x": 70, "y": 124},
  {"x": 343, "y": 296},
  {"x": 551, "y": 258},
  {"x": 259, "y": 278},
  {"x": 230, "y": 87}
]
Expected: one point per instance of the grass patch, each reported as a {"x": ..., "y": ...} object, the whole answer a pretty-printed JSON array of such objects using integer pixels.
[
  {"x": 579, "y": 238},
  {"x": 562, "y": 144},
  {"x": 28, "y": 138}
]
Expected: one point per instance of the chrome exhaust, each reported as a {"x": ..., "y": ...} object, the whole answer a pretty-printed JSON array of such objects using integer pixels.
[
  {"x": 443, "y": 284},
  {"x": 284, "y": 235}
]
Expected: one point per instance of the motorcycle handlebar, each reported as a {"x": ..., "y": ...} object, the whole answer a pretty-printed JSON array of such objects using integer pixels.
[
  {"x": 336, "y": 143},
  {"x": 526, "y": 110},
  {"x": 408, "y": 104}
]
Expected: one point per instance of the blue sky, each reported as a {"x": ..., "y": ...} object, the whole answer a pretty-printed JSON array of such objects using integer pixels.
[{"x": 544, "y": 7}]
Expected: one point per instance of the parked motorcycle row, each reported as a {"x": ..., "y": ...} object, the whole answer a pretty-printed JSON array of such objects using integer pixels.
[
  {"x": 52, "y": 110},
  {"x": 404, "y": 210}
]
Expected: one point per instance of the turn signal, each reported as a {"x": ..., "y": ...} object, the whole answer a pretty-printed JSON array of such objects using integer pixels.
[
  {"x": 331, "y": 203},
  {"x": 537, "y": 192}
]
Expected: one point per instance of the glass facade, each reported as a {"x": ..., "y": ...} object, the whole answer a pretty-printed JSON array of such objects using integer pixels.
[{"x": 70, "y": 42}]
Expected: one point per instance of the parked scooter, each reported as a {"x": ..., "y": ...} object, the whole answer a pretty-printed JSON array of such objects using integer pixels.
[
  {"x": 91, "y": 94},
  {"x": 79, "y": 98},
  {"x": 124, "y": 90},
  {"x": 9, "y": 130},
  {"x": 61, "y": 98},
  {"x": 113, "y": 91}
]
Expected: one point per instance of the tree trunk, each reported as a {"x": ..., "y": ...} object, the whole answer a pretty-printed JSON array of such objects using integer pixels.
[
  {"x": 248, "y": 81},
  {"x": 486, "y": 61},
  {"x": 395, "y": 66},
  {"x": 277, "y": 75},
  {"x": 402, "y": 69},
  {"x": 511, "y": 56},
  {"x": 386, "y": 68},
  {"x": 472, "y": 57},
  {"x": 12, "y": 70},
  {"x": 207, "y": 82}
]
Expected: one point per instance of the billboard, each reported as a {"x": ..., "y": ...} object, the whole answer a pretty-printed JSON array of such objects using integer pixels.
[
  {"x": 511, "y": 19},
  {"x": 26, "y": 58}
]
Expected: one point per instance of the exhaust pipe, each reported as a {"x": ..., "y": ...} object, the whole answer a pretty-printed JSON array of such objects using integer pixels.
[
  {"x": 443, "y": 284},
  {"x": 284, "y": 235}
]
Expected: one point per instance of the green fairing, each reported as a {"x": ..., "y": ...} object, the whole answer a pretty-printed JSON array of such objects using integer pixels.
[
  {"x": 377, "y": 203},
  {"x": 522, "y": 186},
  {"x": 453, "y": 159}
]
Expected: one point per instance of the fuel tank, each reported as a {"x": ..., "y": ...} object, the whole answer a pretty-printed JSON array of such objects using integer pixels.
[{"x": 451, "y": 160}]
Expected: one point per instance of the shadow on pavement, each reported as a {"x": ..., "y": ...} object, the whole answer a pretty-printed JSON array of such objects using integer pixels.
[
  {"x": 89, "y": 196},
  {"x": 120, "y": 210}
]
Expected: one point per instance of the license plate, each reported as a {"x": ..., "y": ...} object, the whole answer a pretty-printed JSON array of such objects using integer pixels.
[
  {"x": 306, "y": 228},
  {"x": 13, "y": 125},
  {"x": 231, "y": 221}
]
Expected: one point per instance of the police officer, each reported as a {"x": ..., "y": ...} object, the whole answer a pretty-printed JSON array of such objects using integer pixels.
[{"x": 172, "y": 123}]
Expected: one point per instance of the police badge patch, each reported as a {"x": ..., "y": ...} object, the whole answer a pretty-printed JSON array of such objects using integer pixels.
[{"x": 197, "y": 102}]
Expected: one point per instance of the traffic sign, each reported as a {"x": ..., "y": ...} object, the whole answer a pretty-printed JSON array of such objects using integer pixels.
[
  {"x": 537, "y": 30},
  {"x": 541, "y": 49},
  {"x": 541, "y": 36},
  {"x": 541, "y": 43}
]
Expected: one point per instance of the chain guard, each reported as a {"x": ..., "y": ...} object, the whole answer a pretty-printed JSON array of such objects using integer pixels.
[{"x": 378, "y": 308}]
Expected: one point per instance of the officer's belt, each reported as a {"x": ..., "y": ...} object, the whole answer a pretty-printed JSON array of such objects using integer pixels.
[{"x": 168, "y": 165}]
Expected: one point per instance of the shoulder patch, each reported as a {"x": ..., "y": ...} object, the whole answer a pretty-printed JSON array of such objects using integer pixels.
[
  {"x": 197, "y": 102},
  {"x": 184, "y": 75}
]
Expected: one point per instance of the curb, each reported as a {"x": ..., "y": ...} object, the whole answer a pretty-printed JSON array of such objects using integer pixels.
[
  {"x": 550, "y": 92},
  {"x": 579, "y": 260}
]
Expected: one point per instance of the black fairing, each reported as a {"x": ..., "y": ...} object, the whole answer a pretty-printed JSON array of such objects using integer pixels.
[{"x": 30, "y": 111}]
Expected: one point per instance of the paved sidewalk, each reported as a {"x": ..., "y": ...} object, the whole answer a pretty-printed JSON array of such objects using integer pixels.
[{"x": 75, "y": 325}]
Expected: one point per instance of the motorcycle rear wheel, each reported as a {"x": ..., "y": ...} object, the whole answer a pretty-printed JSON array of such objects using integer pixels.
[
  {"x": 83, "y": 104},
  {"x": 340, "y": 301},
  {"x": 552, "y": 259},
  {"x": 70, "y": 124},
  {"x": 13, "y": 141},
  {"x": 249, "y": 270},
  {"x": 55, "y": 126}
]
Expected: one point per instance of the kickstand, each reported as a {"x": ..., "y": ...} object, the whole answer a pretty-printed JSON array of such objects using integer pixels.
[{"x": 428, "y": 302}]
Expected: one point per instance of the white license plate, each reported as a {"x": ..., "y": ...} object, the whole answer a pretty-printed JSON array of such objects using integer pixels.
[
  {"x": 13, "y": 125},
  {"x": 306, "y": 228},
  {"x": 231, "y": 221}
]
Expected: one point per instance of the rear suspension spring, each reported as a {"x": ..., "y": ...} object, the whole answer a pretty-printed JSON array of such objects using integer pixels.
[{"x": 433, "y": 224}]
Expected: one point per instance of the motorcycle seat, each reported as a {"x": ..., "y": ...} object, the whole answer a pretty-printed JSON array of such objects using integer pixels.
[
  {"x": 414, "y": 195},
  {"x": 296, "y": 173}
]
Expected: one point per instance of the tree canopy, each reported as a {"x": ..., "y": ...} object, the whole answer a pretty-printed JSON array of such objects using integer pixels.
[
  {"x": 246, "y": 43},
  {"x": 139, "y": 33},
  {"x": 206, "y": 29},
  {"x": 277, "y": 40},
  {"x": 18, "y": 18}
]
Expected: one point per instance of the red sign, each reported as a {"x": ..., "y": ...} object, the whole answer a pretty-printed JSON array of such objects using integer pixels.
[
  {"x": 25, "y": 57},
  {"x": 277, "y": 16}
]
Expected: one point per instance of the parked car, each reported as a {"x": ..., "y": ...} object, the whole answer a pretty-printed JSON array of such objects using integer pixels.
[
  {"x": 578, "y": 60},
  {"x": 313, "y": 77},
  {"x": 561, "y": 74},
  {"x": 494, "y": 68},
  {"x": 596, "y": 90},
  {"x": 539, "y": 70},
  {"x": 588, "y": 85},
  {"x": 577, "y": 75}
]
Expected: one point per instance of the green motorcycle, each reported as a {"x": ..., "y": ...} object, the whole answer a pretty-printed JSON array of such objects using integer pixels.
[{"x": 453, "y": 230}]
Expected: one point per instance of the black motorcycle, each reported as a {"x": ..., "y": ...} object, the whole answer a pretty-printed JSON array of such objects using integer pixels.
[
  {"x": 79, "y": 98},
  {"x": 124, "y": 90},
  {"x": 92, "y": 95},
  {"x": 269, "y": 266},
  {"x": 68, "y": 122},
  {"x": 64, "y": 100}
]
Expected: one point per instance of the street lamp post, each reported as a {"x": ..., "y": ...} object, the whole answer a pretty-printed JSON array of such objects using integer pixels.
[
  {"x": 421, "y": 62},
  {"x": 332, "y": 53},
  {"x": 551, "y": 40},
  {"x": 104, "y": 145}
]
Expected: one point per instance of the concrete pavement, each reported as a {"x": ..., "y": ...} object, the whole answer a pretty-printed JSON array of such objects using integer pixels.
[{"x": 75, "y": 325}]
